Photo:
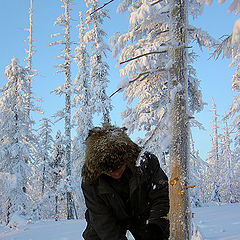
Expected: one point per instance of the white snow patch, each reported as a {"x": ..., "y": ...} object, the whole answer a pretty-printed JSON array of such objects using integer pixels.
[
  {"x": 123, "y": 84},
  {"x": 10, "y": 180},
  {"x": 217, "y": 222},
  {"x": 47, "y": 230}
]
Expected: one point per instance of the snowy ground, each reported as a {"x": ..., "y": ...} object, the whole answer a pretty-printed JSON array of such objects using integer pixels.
[
  {"x": 217, "y": 222},
  {"x": 45, "y": 230},
  {"x": 211, "y": 223}
]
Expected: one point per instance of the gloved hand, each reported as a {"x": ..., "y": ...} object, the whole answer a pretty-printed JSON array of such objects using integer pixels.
[
  {"x": 155, "y": 232},
  {"x": 152, "y": 232}
]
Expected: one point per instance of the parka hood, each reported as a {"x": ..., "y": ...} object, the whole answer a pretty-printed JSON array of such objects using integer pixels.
[{"x": 107, "y": 149}]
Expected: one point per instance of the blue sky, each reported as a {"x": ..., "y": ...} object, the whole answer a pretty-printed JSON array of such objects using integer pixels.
[{"x": 215, "y": 76}]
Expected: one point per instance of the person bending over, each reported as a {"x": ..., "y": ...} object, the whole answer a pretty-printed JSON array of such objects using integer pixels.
[{"x": 120, "y": 195}]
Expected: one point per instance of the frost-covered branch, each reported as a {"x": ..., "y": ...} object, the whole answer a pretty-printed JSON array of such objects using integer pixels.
[
  {"x": 105, "y": 4},
  {"x": 224, "y": 47},
  {"x": 143, "y": 55},
  {"x": 154, "y": 3},
  {"x": 146, "y": 73}
]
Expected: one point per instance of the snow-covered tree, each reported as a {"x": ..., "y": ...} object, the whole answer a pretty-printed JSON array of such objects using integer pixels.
[
  {"x": 56, "y": 171},
  {"x": 40, "y": 176},
  {"x": 235, "y": 113},
  {"x": 45, "y": 145},
  {"x": 227, "y": 162},
  {"x": 50, "y": 176},
  {"x": 66, "y": 90},
  {"x": 144, "y": 50},
  {"x": 17, "y": 143},
  {"x": 83, "y": 113},
  {"x": 163, "y": 83},
  {"x": 230, "y": 48},
  {"x": 99, "y": 68},
  {"x": 8, "y": 189},
  {"x": 198, "y": 180},
  {"x": 214, "y": 159},
  {"x": 30, "y": 51}
]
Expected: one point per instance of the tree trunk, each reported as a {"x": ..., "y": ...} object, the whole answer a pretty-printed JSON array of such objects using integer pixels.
[
  {"x": 8, "y": 207},
  {"x": 56, "y": 207},
  {"x": 67, "y": 72},
  {"x": 179, "y": 149},
  {"x": 29, "y": 58},
  {"x": 215, "y": 157},
  {"x": 43, "y": 175}
]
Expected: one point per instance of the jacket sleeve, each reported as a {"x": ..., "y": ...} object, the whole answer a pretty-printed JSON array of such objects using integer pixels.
[
  {"x": 101, "y": 217},
  {"x": 158, "y": 190}
]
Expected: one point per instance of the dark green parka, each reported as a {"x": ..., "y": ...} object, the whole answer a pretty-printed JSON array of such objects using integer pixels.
[{"x": 140, "y": 197}]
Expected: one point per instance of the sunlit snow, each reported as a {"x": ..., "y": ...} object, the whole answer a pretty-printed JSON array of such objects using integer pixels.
[{"x": 214, "y": 222}]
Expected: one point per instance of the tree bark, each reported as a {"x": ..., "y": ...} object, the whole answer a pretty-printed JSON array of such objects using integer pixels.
[
  {"x": 180, "y": 216},
  {"x": 8, "y": 207}
]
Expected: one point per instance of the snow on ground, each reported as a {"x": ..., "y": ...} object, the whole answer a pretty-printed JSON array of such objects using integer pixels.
[
  {"x": 220, "y": 222},
  {"x": 45, "y": 230}
]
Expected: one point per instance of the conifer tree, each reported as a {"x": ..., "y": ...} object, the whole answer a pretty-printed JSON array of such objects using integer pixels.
[
  {"x": 17, "y": 143},
  {"x": 40, "y": 176},
  {"x": 56, "y": 171},
  {"x": 230, "y": 48},
  {"x": 8, "y": 191},
  {"x": 45, "y": 145},
  {"x": 197, "y": 179},
  {"x": 66, "y": 90},
  {"x": 146, "y": 62},
  {"x": 99, "y": 68},
  {"x": 214, "y": 159},
  {"x": 83, "y": 113},
  {"x": 160, "y": 75},
  {"x": 227, "y": 159}
]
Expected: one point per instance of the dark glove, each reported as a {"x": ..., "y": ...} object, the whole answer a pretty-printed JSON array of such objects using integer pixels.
[
  {"x": 165, "y": 228},
  {"x": 152, "y": 232},
  {"x": 157, "y": 232}
]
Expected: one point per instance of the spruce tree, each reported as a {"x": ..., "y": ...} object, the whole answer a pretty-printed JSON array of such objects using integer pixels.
[
  {"x": 160, "y": 76},
  {"x": 98, "y": 66},
  {"x": 17, "y": 143},
  {"x": 57, "y": 173},
  {"x": 83, "y": 110},
  {"x": 66, "y": 90}
]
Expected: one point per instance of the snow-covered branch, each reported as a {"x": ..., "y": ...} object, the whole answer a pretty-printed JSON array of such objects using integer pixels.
[
  {"x": 105, "y": 4},
  {"x": 143, "y": 55}
]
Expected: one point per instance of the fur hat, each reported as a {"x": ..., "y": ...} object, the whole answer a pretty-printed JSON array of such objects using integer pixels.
[{"x": 107, "y": 149}]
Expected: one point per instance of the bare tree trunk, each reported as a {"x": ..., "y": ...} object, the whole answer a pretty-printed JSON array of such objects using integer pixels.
[{"x": 179, "y": 149}]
